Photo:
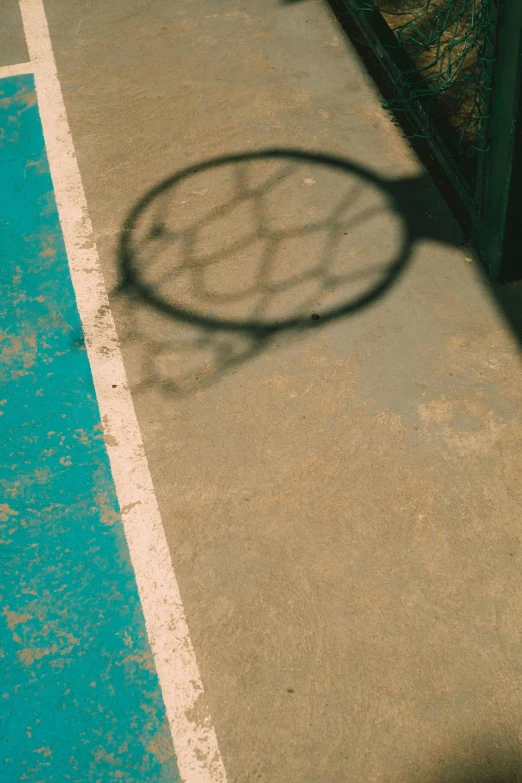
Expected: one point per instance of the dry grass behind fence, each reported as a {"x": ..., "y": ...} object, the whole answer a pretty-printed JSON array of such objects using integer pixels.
[{"x": 443, "y": 39}]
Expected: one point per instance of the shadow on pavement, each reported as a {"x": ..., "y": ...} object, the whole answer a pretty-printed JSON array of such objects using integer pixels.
[
  {"x": 482, "y": 759},
  {"x": 508, "y": 297},
  {"x": 229, "y": 254}
]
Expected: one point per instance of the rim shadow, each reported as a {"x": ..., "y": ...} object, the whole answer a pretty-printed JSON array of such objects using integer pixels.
[{"x": 223, "y": 256}]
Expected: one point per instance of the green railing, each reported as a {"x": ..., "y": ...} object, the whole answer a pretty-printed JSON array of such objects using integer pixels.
[{"x": 456, "y": 71}]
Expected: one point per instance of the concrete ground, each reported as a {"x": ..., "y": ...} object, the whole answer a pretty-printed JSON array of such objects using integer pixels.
[{"x": 329, "y": 399}]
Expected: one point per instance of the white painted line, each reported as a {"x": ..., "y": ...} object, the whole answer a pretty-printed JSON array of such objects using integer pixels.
[
  {"x": 16, "y": 70},
  {"x": 193, "y": 734}
]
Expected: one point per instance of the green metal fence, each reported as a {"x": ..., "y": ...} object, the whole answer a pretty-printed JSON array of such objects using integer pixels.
[{"x": 456, "y": 70}]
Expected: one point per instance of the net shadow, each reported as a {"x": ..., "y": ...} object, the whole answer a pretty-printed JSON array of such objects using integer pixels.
[{"x": 222, "y": 258}]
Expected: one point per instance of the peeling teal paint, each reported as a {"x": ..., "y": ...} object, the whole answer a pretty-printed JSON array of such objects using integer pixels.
[{"x": 79, "y": 695}]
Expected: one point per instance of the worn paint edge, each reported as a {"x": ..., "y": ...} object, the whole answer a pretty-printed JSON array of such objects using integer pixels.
[
  {"x": 193, "y": 734},
  {"x": 19, "y": 69}
]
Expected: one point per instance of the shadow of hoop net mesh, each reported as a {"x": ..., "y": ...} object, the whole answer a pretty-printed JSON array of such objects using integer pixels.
[
  {"x": 226, "y": 257},
  {"x": 449, "y": 43}
]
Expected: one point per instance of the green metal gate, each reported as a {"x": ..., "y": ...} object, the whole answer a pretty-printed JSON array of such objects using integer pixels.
[{"x": 456, "y": 69}]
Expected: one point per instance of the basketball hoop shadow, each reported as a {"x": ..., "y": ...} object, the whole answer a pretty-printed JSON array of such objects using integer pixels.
[{"x": 221, "y": 257}]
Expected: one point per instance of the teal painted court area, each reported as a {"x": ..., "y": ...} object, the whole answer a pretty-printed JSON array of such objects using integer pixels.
[{"x": 81, "y": 700}]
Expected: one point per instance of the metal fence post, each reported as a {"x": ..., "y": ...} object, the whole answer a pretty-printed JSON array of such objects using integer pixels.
[{"x": 497, "y": 227}]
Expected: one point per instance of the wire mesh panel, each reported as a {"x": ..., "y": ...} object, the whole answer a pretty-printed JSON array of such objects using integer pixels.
[
  {"x": 447, "y": 42},
  {"x": 456, "y": 68}
]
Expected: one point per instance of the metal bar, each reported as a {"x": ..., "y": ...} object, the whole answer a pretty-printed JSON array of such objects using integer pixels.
[{"x": 496, "y": 230}]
